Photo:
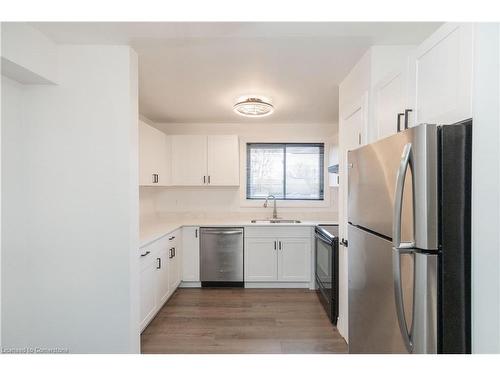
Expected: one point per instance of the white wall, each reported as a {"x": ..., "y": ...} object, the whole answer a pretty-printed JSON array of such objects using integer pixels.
[
  {"x": 486, "y": 191},
  {"x": 212, "y": 201},
  {"x": 69, "y": 205}
]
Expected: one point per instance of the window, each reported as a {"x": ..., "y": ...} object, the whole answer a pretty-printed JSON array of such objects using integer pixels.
[{"x": 289, "y": 171}]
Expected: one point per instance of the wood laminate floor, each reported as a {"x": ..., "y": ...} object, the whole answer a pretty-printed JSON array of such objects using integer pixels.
[{"x": 242, "y": 321}]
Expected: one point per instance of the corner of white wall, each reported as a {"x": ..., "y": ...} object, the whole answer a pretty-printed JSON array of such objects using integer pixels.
[{"x": 486, "y": 190}]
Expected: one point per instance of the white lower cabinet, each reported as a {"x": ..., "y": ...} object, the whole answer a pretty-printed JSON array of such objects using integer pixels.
[
  {"x": 147, "y": 289},
  {"x": 278, "y": 254},
  {"x": 261, "y": 261},
  {"x": 191, "y": 254},
  {"x": 294, "y": 259},
  {"x": 163, "y": 274},
  {"x": 174, "y": 259},
  {"x": 161, "y": 268}
]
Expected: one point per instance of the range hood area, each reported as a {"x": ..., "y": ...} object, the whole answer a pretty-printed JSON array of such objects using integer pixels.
[{"x": 333, "y": 168}]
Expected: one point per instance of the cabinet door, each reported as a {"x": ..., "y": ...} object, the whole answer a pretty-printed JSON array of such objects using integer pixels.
[
  {"x": 389, "y": 97},
  {"x": 164, "y": 165},
  {"x": 147, "y": 293},
  {"x": 162, "y": 275},
  {"x": 261, "y": 259},
  {"x": 146, "y": 154},
  {"x": 191, "y": 254},
  {"x": 189, "y": 160},
  {"x": 175, "y": 267},
  {"x": 223, "y": 160},
  {"x": 294, "y": 259},
  {"x": 153, "y": 156},
  {"x": 444, "y": 75},
  {"x": 352, "y": 122},
  {"x": 351, "y": 135}
]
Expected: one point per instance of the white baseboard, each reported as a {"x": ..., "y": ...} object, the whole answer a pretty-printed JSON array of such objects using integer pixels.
[
  {"x": 250, "y": 285},
  {"x": 190, "y": 284},
  {"x": 254, "y": 285}
]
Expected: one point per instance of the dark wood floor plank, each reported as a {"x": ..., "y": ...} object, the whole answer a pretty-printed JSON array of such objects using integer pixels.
[{"x": 211, "y": 321}]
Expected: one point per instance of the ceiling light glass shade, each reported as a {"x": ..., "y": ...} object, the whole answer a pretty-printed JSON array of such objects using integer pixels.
[{"x": 253, "y": 107}]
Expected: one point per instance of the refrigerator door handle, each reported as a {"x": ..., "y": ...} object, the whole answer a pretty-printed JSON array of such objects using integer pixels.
[
  {"x": 398, "y": 200},
  {"x": 401, "y": 248},
  {"x": 406, "y": 333}
]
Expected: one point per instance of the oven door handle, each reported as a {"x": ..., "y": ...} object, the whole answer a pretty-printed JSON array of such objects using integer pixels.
[{"x": 323, "y": 239}]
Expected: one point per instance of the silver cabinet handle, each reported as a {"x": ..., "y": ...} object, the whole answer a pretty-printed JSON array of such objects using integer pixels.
[
  {"x": 171, "y": 252},
  {"x": 407, "y": 111},
  {"x": 274, "y": 245},
  {"x": 159, "y": 263},
  {"x": 204, "y": 179},
  {"x": 399, "y": 122},
  {"x": 146, "y": 253},
  {"x": 171, "y": 238},
  {"x": 279, "y": 245},
  {"x": 208, "y": 179},
  {"x": 196, "y": 233}
]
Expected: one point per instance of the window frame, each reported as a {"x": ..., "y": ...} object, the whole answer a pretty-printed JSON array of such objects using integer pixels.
[{"x": 284, "y": 145}]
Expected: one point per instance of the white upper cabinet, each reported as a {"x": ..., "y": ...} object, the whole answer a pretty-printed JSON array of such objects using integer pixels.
[
  {"x": 189, "y": 160},
  {"x": 444, "y": 67},
  {"x": 223, "y": 166},
  {"x": 199, "y": 160},
  {"x": 154, "y": 160},
  {"x": 392, "y": 108}
]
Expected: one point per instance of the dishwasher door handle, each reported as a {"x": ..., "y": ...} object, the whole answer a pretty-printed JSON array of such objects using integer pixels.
[{"x": 224, "y": 232}]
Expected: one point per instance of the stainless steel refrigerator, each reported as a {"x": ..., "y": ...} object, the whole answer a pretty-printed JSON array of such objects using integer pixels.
[{"x": 409, "y": 232}]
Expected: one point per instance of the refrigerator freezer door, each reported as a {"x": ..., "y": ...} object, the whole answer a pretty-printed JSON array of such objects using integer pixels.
[
  {"x": 425, "y": 312},
  {"x": 372, "y": 182},
  {"x": 373, "y": 323}
]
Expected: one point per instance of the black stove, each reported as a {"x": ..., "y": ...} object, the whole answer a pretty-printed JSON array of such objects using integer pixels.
[{"x": 327, "y": 268}]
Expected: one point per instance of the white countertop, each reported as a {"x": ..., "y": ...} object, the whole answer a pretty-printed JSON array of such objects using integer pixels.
[{"x": 155, "y": 228}]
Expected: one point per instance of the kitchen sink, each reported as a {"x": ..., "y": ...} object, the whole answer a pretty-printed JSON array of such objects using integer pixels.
[{"x": 276, "y": 221}]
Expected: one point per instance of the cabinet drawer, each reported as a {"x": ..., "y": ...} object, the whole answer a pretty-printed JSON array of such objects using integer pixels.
[
  {"x": 278, "y": 231},
  {"x": 174, "y": 239},
  {"x": 147, "y": 255}
]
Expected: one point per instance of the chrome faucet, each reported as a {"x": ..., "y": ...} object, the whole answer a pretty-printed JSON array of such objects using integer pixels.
[{"x": 266, "y": 203}]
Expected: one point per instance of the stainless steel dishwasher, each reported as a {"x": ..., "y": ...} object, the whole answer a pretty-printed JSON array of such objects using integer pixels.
[{"x": 221, "y": 257}]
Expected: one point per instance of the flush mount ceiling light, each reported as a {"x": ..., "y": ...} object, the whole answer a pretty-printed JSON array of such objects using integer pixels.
[{"x": 253, "y": 106}]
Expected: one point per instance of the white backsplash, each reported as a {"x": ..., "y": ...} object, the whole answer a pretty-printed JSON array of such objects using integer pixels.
[{"x": 224, "y": 203}]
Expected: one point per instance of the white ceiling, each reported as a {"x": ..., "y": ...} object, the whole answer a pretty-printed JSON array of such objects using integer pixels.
[{"x": 193, "y": 72}]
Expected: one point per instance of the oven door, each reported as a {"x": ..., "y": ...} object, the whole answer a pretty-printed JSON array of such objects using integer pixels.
[
  {"x": 324, "y": 264},
  {"x": 326, "y": 274}
]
